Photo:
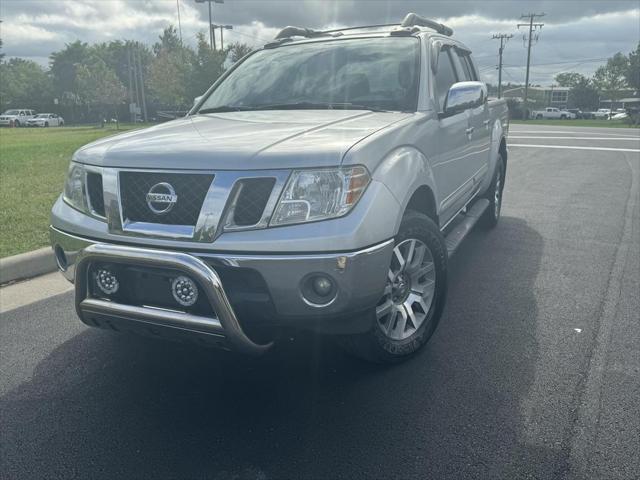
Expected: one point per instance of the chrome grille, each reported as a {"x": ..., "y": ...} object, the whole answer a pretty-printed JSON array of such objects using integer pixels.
[{"x": 190, "y": 189}]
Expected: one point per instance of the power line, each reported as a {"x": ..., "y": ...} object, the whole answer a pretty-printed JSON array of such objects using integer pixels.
[
  {"x": 504, "y": 38},
  {"x": 532, "y": 26}
]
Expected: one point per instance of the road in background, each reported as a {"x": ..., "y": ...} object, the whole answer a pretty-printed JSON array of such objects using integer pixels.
[{"x": 533, "y": 372}]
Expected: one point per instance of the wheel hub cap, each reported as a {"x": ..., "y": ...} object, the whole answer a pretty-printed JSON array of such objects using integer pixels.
[{"x": 409, "y": 291}]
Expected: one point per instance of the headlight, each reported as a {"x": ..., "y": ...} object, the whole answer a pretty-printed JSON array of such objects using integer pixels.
[
  {"x": 75, "y": 193},
  {"x": 312, "y": 195}
]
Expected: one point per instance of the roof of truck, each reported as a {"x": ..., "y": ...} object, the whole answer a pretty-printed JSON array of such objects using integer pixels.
[{"x": 412, "y": 25}]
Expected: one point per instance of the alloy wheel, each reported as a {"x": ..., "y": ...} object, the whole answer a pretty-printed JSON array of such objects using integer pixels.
[{"x": 409, "y": 290}]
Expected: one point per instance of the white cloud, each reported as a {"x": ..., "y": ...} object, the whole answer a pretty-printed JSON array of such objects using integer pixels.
[{"x": 33, "y": 29}]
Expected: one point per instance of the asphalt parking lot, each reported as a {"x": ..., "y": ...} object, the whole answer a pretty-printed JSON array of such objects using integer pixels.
[{"x": 534, "y": 371}]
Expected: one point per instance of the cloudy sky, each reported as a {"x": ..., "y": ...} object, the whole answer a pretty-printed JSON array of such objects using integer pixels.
[{"x": 578, "y": 35}]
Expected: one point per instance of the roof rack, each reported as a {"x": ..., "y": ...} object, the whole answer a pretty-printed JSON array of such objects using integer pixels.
[
  {"x": 411, "y": 20},
  {"x": 415, "y": 20}
]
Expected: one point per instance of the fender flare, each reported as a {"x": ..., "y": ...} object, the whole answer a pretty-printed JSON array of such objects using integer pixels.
[{"x": 403, "y": 171}]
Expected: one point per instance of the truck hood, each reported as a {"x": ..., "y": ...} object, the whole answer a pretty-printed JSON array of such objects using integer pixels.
[{"x": 241, "y": 140}]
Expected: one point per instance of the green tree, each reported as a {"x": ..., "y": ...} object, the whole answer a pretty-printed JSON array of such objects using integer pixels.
[
  {"x": 610, "y": 78},
  {"x": 632, "y": 75},
  {"x": 208, "y": 66},
  {"x": 584, "y": 95},
  {"x": 99, "y": 86},
  {"x": 236, "y": 51},
  {"x": 167, "y": 79},
  {"x": 24, "y": 84},
  {"x": 168, "y": 41},
  {"x": 569, "y": 79},
  {"x": 63, "y": 66}
]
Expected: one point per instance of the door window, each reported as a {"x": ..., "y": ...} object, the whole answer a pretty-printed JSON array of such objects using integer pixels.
[{"x": 445, "y": 76}]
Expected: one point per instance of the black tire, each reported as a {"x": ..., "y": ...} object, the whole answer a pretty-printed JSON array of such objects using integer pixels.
[
  {"x": 374, "y": 345},
  {"x": 563, "y": 117},
  {"x": 16, "y": 124},
  {"x": 538, "y": 117},
  {"x": 491, "y": 215},
  {"x": 46, "y": 124}
]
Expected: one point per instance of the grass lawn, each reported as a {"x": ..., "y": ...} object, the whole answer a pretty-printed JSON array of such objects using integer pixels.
[
  {"x": 33, "y": 165},
  {"x": 577, "y": 123}
]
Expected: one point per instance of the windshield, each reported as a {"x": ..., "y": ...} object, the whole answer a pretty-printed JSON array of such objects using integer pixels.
[
  {"x": 42, "y": 115},
  {"x": 371, "y": 73},
  {"x": 12, "y": 112}
]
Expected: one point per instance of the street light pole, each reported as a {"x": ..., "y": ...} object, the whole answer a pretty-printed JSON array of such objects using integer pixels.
[
  {"x": 212, "y": 37},
  {"x": 222, "y": 29}
]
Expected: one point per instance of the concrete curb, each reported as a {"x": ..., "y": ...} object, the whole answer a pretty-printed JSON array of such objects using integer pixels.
[{"x": 27, "y": 265}]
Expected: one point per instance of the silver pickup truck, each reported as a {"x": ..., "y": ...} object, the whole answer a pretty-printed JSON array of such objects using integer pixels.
[{"x": 321, "y": 184}]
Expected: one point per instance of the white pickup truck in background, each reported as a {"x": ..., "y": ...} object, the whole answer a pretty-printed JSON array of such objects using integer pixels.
[{"x": 552, "y": 112}]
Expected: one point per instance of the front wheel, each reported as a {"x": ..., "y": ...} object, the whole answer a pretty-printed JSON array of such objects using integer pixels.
[{"x": 414, "y": 295}]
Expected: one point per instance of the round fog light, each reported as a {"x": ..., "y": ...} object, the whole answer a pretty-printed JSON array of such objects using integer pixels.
[
  {"x": 322, "y": 286},
  {"x": 107, "y": 281},
  {"x": 184, "y": 290}
]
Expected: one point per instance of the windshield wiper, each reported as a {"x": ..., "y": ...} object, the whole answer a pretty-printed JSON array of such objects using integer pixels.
[{"x": 225, "y": 108}]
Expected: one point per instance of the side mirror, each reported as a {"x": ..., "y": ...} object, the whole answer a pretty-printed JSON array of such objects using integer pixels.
[
  {"x": 197, "y": 100},
  {"x": 464, "y": 95}
]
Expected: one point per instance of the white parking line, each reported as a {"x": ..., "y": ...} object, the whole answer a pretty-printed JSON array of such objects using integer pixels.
[
  {"x": 612, "y": 139},
  {"x": 515, "y": 130},
  {"x": 575, "y": 147}
]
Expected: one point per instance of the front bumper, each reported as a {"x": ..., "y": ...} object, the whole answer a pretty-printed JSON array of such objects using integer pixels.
[{"x": 359, "y": 278}]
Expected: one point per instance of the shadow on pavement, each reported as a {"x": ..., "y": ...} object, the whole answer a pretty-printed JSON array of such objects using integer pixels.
[{"x": 104, "y": 405}]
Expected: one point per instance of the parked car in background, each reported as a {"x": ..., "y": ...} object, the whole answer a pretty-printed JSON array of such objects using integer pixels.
[
  {"x": 16, "y": 117},
  {"x": 619, "y": 114},
  {"x": 552, "y": 112},
  {"x": 577, "y": 112},
  {"x": 46, "y": 120},
  {"x": 602, "y": 114}
]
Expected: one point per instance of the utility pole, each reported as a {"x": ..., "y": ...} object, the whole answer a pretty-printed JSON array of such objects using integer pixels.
[
  {"x": 130, "y": 70},
  {"x": 531, "y": 25},
  {"x": 504, "y": 38},
  {"x": 144, "y": 100},
  {"x": 179, "y": 23}
]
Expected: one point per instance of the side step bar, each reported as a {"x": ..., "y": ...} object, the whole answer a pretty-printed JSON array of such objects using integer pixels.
[{"x": 461, "y": 230}]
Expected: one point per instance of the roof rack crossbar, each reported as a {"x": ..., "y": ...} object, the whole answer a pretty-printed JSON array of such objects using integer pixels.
[
  {"x": 415, "y": 20},
  {"x": 288, "y": 32}
]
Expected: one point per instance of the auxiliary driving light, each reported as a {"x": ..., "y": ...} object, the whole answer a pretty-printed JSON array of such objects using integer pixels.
[
  {"x": 107, "y": 281},
  {"x": 184, "y": 290}
]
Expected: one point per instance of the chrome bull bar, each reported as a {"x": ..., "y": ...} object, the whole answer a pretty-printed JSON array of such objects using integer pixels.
[{"x": 225, "y": 324}]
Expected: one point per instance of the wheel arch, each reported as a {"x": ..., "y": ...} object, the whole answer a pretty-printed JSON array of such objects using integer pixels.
[
  {"x": 407, "y": 173},
  {"x": 424, "y": 201}
]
